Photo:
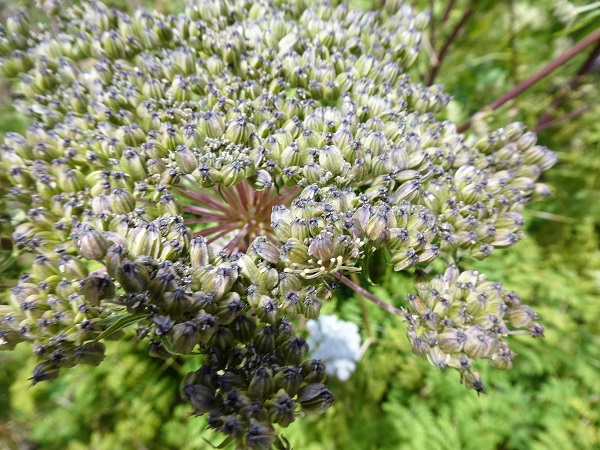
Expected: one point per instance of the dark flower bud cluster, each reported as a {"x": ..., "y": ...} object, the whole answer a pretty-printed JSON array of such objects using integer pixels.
[{"x": 213, "y": 175}]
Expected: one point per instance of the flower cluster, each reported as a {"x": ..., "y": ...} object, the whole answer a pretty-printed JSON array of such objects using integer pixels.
[{"x": 213, "y": 175}]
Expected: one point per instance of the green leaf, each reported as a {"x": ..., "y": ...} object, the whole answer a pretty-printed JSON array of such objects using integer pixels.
[
  {"x": 112, "y": 319},
  {"x": 124, "y": 321},
  {"x": 223, "y": 444}
]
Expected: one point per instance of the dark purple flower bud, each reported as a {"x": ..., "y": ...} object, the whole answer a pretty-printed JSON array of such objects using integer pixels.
[
  {"x": 313, "y": 371},
  {"x": 200, "y": 397},
  {"x": 294, "y": 350},
  {"x": 91, "y": 353},
  {"x": 261, "y": 385},
  {"x": 260, "y": 436},
  {"x": 315, "y": 398},
  {"x": 282, "y": 409}
]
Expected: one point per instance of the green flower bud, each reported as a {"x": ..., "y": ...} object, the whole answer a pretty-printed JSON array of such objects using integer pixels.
[
  {"x": 314, "y": 371},
  {"x": 261, "y": 385},
  {"x": 121, "y": 201},
  {"x": 229, "y": 307},
  {"x": 132, "y": 276},
  {"x": 315, "y": 398},
  {"x": 96, "y": 288},
  {"x": 264, "y": 340},
  {"x": 184, "y": 337},
  {"x": 90, "y": 243}
]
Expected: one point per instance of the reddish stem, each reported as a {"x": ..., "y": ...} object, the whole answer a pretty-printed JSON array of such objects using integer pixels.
[
  {"x": 232, "y": 200},
  {"x": 585, "y": 68},
  {"x": 205, "y": 212},
  {"x": 203, "y": 220},
  {"x": 540, "y": 74},
  {"x": 448, "y": 10},
  {"x": 359, "y": 290},
  {"x": 224, "y": 226},
  {"x": 196, "y": 196},
  {"x": 241, "y": 235}
]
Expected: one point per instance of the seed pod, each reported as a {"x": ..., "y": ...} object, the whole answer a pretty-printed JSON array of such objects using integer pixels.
[
  {"x": 451, "y": 340},
  {"x": 44, "y": 372},
  {"x": 264, "y": 340},
  {"x": 229, "y": 307},
  {"x": 201, "y": 398},
  {"x": 186, "y": 160},
  {"x": 315, "y": 398},
  {"x": 314, "y": 371},
  {"x": 472, "y": 380},
  {"x": 207, "y": 326}
]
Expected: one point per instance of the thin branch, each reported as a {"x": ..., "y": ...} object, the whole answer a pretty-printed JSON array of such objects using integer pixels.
[
  {"x": 447, "y": 11},
  {"x": 540, "y": 74},
  {"x": 432, "y": 23},
  {"x": 453, "y": 35},
  {"x": 363, "y": 308},
  {"x": 569, "y": 116},
  {"x": 586, "y": 67},
  {"x": 359, "y": 290}
]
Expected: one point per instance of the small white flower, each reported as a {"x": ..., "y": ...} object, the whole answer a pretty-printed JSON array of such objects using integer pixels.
[{"x": 336, "y": 342}]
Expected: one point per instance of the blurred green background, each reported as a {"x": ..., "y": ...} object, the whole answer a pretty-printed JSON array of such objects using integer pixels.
[{"x": 550, "y": 400}]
